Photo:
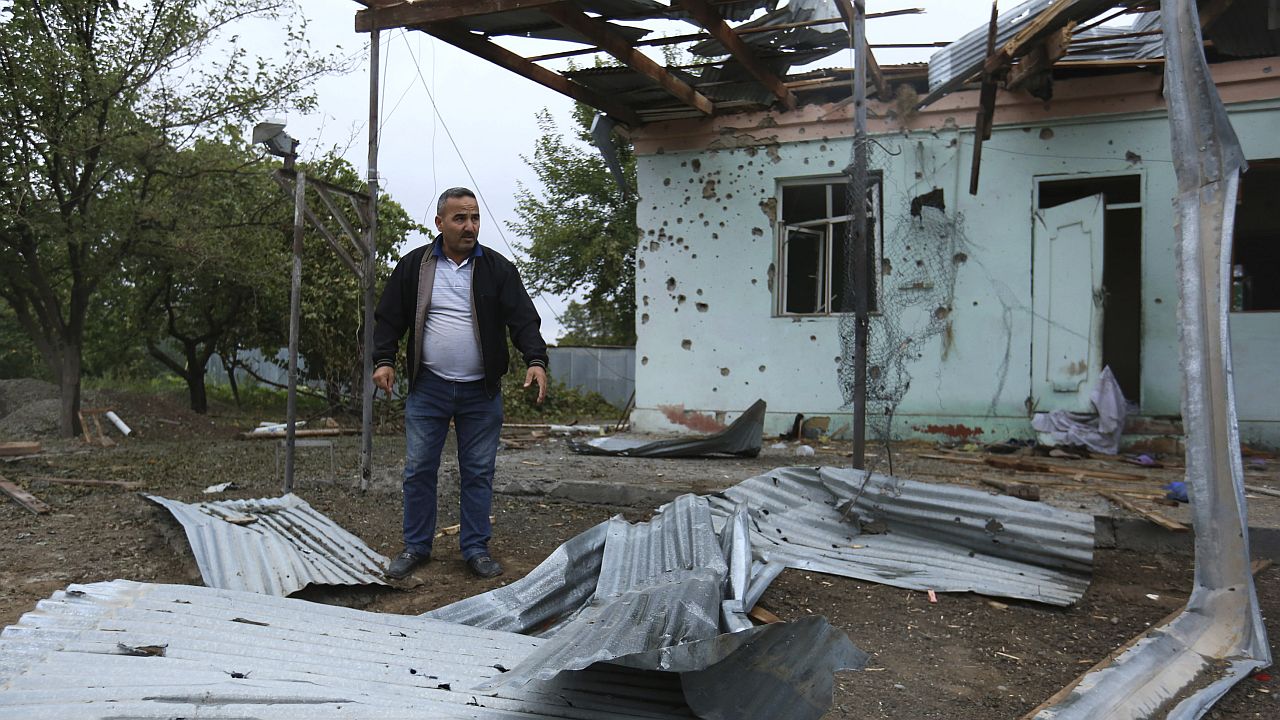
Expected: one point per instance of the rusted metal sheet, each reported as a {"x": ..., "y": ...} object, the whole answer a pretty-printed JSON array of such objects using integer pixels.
[
  {"x": 1182, "y": 667},
  {"x": 274, "y": 546}
]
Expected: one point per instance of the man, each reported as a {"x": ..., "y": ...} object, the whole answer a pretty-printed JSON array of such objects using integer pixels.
[{"x": 454, "y": 297}]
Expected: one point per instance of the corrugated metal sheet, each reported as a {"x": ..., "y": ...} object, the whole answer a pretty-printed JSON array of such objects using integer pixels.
[
  {"x": 657, "y": 602},
  {"x": 960, "y": 61},
  {"x": 1179, "y": 670},
  {"x": 741, "y": 439},
  {"x": 287, "y": 546},
  {"x": 124, "y": 649},
  {"x": 923, "y": 536}
]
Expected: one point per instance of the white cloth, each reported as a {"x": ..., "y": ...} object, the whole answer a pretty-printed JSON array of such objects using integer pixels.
[
  {"x": 1101, "y": 432},
  {"x": 450, "y": 347}
]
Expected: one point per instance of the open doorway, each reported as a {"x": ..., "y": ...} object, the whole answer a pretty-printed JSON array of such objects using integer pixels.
[
  {"x": 1121, "y": 301},
  {"x": 1255, "y": 262}
]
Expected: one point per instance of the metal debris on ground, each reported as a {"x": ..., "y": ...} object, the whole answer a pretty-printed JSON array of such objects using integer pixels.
[
  {"x": 743, "y": 438},
  {"x": 127, "y": 649},
  {"x": 667, "y": 595},
  {"x": 274, "y": 546},
  {"x": 915, "y": 535}
]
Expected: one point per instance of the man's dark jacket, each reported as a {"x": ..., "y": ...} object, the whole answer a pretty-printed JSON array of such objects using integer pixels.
[{"x": 498, "y": 299}]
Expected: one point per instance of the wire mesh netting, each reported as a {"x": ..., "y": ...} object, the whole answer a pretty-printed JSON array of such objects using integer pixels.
[{"x": 915, "y": 249}]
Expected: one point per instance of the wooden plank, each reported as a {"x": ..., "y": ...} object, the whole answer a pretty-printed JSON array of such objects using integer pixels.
[
  {"x": 408, "y": 14},
  {"x": 711, "y": 20},
  {"x": 763, "y": 616},
  {"x": 1018, "y": 490},
  {"x": 23, "y": 498},
  {"x": 612, "y": 42},
  {"x": 122, "y": 484},
  {"x": 1262, "y": 490},
  {"x": 986, "y": 107},
  {"x": 1042, "y": 58},
  {"x": 1152, "y": 515},
  {"x": 873, "y": 68},
  {"x": 498, "y": 55},
  {"x": 13, "y": 449}
]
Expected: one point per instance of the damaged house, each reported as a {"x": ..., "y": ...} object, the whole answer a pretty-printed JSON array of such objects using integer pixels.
[{"x": 985, "y": 306}]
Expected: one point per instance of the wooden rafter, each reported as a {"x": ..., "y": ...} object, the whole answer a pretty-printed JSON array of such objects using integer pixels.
[
  {"x": 498, "y": 55},
  {"x": 711, "y": 20},
  {"x": 1046, "y": 23},
  {"x": 873, "y": 67},
  {"x": 406, "y": 14},
  {"x": 615, "y": 44}
]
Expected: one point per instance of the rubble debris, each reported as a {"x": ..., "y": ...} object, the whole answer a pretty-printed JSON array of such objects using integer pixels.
[
  {"x": 18, "y": 449},
  {"x": 122, "y": 648},
  {"x": 1154, "y": 516},
  {"x": 941, "y": 537},
  {"x": 648, "y": 596},
  {"x": 743, "y": 438},
  {"x": 23, "y": 498},
  {"x": 274, "y": 546}
]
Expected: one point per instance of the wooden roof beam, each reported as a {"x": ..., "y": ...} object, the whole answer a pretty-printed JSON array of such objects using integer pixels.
[
  {"x": 612, "y": 42},
  {"x": 1046, "y": 23},
  {"x": 711, "y": 20},
  {"x": 498, "y": 55},
  {"x": 384, "y": 16},
  {"x": 873, "y": 67}
]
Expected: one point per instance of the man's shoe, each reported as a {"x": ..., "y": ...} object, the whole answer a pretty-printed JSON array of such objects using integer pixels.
[
  {"x": 484, "y": 566},
  {"x": 404, "y": 563}
]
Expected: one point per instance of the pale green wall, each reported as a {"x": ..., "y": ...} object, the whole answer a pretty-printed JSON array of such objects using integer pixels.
[{"x": 717, "y": 245}]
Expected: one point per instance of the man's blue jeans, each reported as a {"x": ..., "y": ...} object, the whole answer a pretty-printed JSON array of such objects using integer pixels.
[{"x": 477, "y": 420}]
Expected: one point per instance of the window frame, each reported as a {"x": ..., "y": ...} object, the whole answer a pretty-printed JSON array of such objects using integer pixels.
[{"x": 875, "y": 188}]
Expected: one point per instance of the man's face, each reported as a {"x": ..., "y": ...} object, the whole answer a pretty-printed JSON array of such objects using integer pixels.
[{"x": 459, "y": 226}]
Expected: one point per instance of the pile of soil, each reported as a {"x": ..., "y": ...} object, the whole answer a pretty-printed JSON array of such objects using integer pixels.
[{"x": 965, "y": 657}]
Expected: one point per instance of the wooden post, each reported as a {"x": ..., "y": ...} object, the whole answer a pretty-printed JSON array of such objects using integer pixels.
[
  {"x": 295, "y": 319},
  {"x": 858, "y": 207},
  {"x": 369, "y": 272}
]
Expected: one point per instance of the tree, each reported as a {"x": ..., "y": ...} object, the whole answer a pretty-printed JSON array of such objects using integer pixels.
[
  {"x": 582, "y": 231},
  {"x": 216, "y": 278},
  {"x": 332, "y": 310},
  {"x": 95, "y": 96}
]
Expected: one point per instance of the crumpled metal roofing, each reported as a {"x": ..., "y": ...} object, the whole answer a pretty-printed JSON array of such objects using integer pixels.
[
  {"x": 742, "y": 438},
  {"x": 961, "y": 60},
  {"x": 922, "y": 536},
  {"x": 1180, "y": 669},
  {"x": 125, "y": 649},
  {"x": 287, "y": 546},
  {"x": 662, "y": 595},
  {"x": 832, "y": 38}
]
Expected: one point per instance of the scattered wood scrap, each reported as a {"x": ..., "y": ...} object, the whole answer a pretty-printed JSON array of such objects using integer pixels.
[
  {"x": 763, "y": 616},
  {"x": 1024, "y": 491},
  {"x": 1262, "y": 491},
  {"x": 23, "y": 498},
  {"x": 1044, "y": 468},
  {"x": 1154, "y": 516},
  {"x": 14, "y": 449},
  {"x": 122, "y": 484}
]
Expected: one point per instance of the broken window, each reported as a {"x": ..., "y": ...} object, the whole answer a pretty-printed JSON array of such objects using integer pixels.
[
  {"x": 812, "y": 238},
  {"x": 1255, "y": 262}
]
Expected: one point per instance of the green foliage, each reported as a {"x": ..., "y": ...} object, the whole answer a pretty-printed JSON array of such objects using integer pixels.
[
  {"x": 18, "y": 356},
  {"x": 562, "y": 405},
  {"x": 98, "y": 98},
  {"x": 582, "y": 231},
  {"x": 330, "y": 334}
]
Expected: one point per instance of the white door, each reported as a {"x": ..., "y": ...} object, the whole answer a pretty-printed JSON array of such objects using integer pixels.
[{"x": 1066, "y": 279}]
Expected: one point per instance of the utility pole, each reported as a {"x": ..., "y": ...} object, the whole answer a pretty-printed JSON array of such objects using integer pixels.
[
  {"x": 369, "y": 275},
  {"x": 858, "y": 208}
]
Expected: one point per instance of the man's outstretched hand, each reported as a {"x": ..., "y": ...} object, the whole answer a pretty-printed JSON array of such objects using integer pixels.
[{"x": 536, "y": 374}]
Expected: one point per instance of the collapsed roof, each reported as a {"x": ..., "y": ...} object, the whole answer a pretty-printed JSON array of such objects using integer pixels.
[{"x": 755, "y": 54}]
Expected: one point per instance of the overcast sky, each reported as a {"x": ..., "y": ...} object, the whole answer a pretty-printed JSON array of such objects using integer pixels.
[{"x": 488, "y": 113}]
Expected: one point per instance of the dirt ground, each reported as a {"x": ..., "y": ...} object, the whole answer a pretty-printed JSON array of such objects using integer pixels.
[{"x": 965, "y": 657}]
